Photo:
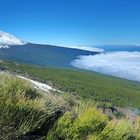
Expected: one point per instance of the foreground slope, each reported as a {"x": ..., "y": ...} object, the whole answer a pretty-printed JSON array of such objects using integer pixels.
[
  {"x": 24, "y": 110},
  {"x": 26, "y": 114}
]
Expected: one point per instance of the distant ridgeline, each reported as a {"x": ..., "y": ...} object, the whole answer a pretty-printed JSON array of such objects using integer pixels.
[{"x": 42, "y": 55}]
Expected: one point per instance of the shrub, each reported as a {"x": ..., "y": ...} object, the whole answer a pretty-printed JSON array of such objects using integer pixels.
[
  {"x": 117, "y": 130},
  {"x": 137, "y": 129},
  {"x": 78, "y": 125},
  {"x": 90, "y": 124}
]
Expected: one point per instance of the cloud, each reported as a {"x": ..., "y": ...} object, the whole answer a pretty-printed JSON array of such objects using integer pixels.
[
  {"x": 87, "y": 48},
  {"x": 121, "y": 64}
]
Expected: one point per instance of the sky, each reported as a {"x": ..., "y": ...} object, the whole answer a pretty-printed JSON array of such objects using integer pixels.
[{"x": 72, "y": 22}]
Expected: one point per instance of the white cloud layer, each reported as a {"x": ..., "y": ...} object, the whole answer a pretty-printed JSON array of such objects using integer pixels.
[
  {"x": 87, "y": 48},
  {"x": 121, "y": 64}
]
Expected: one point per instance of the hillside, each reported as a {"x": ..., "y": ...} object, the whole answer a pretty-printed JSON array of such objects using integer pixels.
[
  {"x": 88, "y": 85},
  {"x": 29, "y": 114},
  {"x": 42, "y": 55}
]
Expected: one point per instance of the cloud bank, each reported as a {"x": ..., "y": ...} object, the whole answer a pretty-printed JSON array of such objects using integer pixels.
[
  {"x": 121, "y": 64},
  {"x": 87, "y": 48}
]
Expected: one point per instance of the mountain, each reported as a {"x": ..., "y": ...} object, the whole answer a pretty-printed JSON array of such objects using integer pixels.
[
  {"x": 42, "y": 55},
  {"x": 7, "y": 40},
  {"x": 37, "y": 54}
]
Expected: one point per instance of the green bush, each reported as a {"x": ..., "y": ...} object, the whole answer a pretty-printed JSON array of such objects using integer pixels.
[
  {"x": 117, "y": 130},
  {"x": 137, "y": 129},
  {"x": 90, "y": 124},
  {"x": 79, "y": 124}
]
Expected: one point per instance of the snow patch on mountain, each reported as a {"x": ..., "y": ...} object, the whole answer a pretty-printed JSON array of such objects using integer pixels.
[
  {"x": 3, "y": 46},
  {"x": 7, "y": 40}
]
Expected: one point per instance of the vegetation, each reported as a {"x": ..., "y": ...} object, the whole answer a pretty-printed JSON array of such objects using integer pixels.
[
  {"x": 89, "y": 85},
  {"x": 22, "y": 109},
  {"x": 91, "y": 124},
  {"x": 26, "y": 113}
]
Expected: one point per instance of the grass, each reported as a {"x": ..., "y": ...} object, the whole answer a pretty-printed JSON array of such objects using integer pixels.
[
  {"x": 20, "y": 111},
  {"x": 22, "y": 108},
  {"x": 88, "y": 85}
]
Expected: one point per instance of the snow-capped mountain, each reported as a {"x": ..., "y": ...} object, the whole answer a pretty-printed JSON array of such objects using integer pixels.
[{"x": 7, "y": 40}]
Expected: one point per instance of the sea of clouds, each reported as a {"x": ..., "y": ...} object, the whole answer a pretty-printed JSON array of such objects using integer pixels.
[
  {"x": 121, "y": 64},
  {"x": 87, "y": 48}
]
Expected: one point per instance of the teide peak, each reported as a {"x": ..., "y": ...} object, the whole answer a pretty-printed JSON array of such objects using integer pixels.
[{"x": 7, "y": 40}]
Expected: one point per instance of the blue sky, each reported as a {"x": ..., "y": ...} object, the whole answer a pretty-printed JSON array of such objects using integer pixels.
[{"x": 72, "y": 22}]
